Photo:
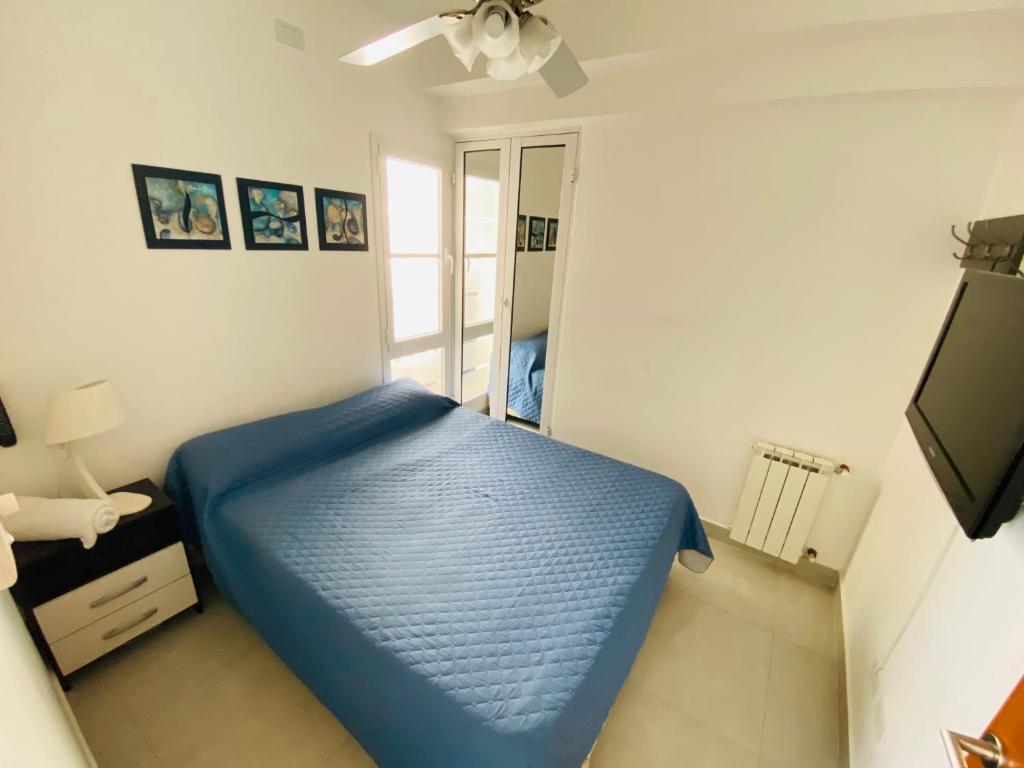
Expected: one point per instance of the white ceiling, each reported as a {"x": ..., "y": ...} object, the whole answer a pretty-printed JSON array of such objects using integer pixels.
[
  {"x": 594, "y": 29},
  {"x": 609, "y": 35}
]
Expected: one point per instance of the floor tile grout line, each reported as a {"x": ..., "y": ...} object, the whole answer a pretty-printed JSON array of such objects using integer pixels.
[
  {"x": 706, "y": 601},
  {"x": 217, "y": 669},
  {"x": 145, "y": 738},
  {"x": 767, "y": 693},
  {"x": 698, "y": 723},
  {"x": 717, "y": 607},
  {"x": 770, "y": 630}
]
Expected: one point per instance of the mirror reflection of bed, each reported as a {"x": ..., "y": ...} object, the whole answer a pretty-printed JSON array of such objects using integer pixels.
[{"x": 540, "y": 188}]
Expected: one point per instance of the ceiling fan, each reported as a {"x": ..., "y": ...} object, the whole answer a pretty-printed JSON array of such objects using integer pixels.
[{"x": 514, "y": 41}]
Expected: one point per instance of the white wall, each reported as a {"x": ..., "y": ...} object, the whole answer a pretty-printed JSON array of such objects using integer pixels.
[
  {"x": 34, "y": 731},
  {"x": 960, "y": 655},
  {"x": 193, "y": 340},
  {"x": 539, "y": 195},
  {"x": 759, "y": 257}
]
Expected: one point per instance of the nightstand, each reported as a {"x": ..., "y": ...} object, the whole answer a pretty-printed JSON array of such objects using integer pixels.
[{"x": 80, "y": 604}]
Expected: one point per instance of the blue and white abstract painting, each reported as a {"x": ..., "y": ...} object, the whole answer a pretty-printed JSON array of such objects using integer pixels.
[{"x": 273, "y": 215}]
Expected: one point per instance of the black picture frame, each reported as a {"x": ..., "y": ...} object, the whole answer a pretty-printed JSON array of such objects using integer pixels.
[
  {"x": 536, "y": 237},
  {"x": 193, "y": 211},
  {"x": 551, "y": 240},
  {"x": 249, "y": 216},
  {"x": 521, "y": 232},
  {"x": 331, "y": 240}
]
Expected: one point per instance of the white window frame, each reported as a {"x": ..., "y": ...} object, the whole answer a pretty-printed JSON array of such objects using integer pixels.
[{"x": 382, "y": 147}]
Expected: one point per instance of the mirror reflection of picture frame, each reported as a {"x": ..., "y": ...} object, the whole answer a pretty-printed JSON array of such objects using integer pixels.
[
  {"x": 551, "y": 243},
  {"x": 521, "y": 232},
  {"x": 537, "y": 232}
]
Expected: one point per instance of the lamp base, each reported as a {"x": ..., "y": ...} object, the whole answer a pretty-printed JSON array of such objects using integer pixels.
[{"x": 129, "y": 503}]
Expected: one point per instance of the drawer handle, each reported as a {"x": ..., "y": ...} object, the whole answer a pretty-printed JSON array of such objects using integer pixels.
[
  {"x": 120, "y": 593},
  {"x": 111, "y": 634}
]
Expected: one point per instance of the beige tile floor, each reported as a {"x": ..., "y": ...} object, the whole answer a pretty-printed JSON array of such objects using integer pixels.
[{"x": 738, "y": 669}]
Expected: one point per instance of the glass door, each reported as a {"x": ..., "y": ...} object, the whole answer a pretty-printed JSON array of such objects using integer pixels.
[
  {"x": 416, "y": 267},
  {"x": 513, "y": 210},
  {"x": 481, "y": 233}
]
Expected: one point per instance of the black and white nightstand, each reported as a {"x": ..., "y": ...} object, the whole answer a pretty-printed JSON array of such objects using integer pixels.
[{"x": 81, "y": 603}]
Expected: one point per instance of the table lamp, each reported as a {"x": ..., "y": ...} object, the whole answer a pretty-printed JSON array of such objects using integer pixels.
[{"x": 83, "y": 412}]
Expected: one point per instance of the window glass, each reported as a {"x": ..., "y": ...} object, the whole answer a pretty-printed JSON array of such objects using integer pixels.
[
  {"x": 415, "y": 296},
  {"x": 425, "y": 367},
  {"x": 414, "y": 207}
]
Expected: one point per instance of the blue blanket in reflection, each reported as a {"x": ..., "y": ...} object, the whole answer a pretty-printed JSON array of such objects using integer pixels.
[
  {"x": 526, "y": 376},
  {"x": 460, "y": 592}
]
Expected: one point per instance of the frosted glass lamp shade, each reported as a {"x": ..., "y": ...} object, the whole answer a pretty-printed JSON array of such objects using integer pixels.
[{"x": 83, "y": 412}]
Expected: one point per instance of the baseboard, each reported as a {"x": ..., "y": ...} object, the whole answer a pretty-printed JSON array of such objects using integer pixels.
[
  {"x": 805, "y": 569},
  {"x": 65, "y": 706}
]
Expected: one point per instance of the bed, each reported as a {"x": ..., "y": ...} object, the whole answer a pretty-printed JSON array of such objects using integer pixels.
[
  {"x": 526, "y": 363},
  {"x": 457, "y": 591}
]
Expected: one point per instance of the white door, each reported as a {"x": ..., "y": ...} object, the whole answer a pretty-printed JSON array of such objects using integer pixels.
[
  {"x": 542, "y": 171},
  {"x": 415, "y": 269},
  {"x": 481, "y": 242}
]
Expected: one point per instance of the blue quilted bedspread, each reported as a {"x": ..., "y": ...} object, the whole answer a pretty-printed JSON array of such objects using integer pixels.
[
  {"x": 461, "y": 593},
  {"x": 526, "y": 363}
]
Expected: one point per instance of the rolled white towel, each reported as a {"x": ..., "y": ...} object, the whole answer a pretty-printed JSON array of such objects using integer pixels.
[
  {"x": 8, "y": 568},
  {"x": 49, "y": 519}
]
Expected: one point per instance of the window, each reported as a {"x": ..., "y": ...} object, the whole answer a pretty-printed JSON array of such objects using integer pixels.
[{"x": 415, "y": 278}]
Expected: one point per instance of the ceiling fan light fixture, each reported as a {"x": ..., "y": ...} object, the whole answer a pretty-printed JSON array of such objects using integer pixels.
[
  {"x": 538, "y": 41},
  {"x": 460, "y": 37},
  {"x": 510, "y": 67},
  {"x": 496, "y": 29}
]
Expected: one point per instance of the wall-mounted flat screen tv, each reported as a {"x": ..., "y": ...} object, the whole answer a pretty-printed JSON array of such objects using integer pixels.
[{"x": 968, "y": 410}]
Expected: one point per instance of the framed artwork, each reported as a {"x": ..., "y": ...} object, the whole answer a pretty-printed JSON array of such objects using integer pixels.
[
  {"x": 181, "y": 209},
  {"x": 552, "y": 241},
  {"x": 537, "y": 227},
  {"x": 521, "y": 232},
  {"x": 341, "y": 220},
  {"x": 273, "y": 216}
]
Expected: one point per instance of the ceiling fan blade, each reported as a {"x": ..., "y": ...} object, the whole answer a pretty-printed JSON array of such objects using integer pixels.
[
  {"x": 398, "y": 41},
  {"x": 563, "y": 73}
]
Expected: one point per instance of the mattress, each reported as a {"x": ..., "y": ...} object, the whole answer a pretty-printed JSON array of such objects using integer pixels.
[
  {"x": 457, "y": 591},
  {"x": 526, "y": 363}
]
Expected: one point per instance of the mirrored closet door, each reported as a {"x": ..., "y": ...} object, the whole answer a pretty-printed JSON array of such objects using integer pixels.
[
  {"x": 481, "y": 196},
  {"x": 514, "y": 196}
]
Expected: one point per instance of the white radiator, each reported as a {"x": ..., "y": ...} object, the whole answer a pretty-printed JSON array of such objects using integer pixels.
[{"x": 780, "y": 499}]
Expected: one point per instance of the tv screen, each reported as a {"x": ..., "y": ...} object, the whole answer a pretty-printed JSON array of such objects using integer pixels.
[{"x": 968, "y": 412}]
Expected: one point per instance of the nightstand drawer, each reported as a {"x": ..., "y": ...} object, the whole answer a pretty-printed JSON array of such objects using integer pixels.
[
  {"x": 85, "y": 645},
  {"x": 89, "y": 603}
]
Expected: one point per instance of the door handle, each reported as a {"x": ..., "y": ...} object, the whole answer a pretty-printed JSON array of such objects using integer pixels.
[
  {"x": 988, "y": 749},
  {"x": 449, "y": 260}
]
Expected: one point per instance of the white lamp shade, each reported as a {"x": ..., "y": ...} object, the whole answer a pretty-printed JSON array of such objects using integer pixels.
[
  {"x": 460, "y": 38},
  {"x": 496, "y": 40},
  {"x": 83, "y": 412},
  {"x": 538, "y": 41}
]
